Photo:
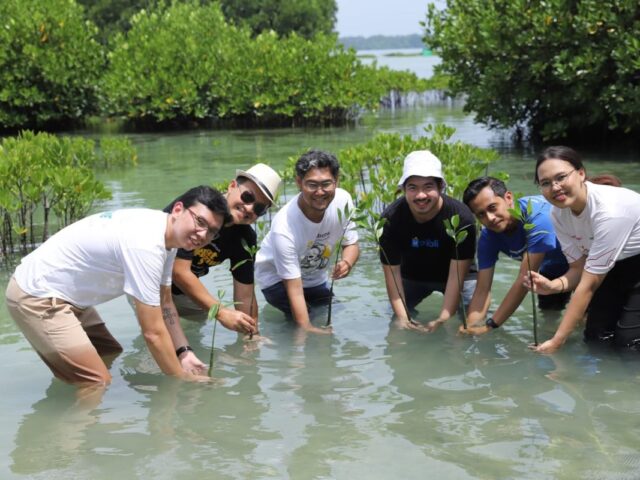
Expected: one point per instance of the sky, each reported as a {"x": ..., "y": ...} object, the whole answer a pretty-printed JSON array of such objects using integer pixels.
[{"x": 381, "y": 17}]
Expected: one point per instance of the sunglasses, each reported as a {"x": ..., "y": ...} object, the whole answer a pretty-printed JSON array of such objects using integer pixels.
[{"x": 248, "y": 198}]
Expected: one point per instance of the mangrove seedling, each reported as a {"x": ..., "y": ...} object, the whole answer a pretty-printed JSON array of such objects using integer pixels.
[
  {"x": 525, "y": 218},
  {"x": 373, "y": 224},
  {"x": 213, "y": 313},
  {"x": 458, "y": 235},
  {"x": 252, "y": 251},
  {"x": 344, "y": 217}
]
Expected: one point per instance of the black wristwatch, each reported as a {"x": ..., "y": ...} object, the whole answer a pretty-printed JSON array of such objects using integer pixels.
[
  {"x": 181, "y": 350},
  {"x": 491, "y": 323}
]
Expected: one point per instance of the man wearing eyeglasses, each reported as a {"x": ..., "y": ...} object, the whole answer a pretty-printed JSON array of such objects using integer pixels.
[
  {"x": 490, "y": 201},
  {"x": 249, "y": 196},
  {"x": 292, "y": 263},
  {"x": 53, "y": 291}
]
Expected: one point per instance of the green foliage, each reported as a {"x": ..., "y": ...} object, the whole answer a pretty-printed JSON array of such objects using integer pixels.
[
  {"x": 345, "y": 217},
  {"x": 41, "y": 174},
  {"x": 184, "y": 62},
  {"x": 525, "y": 219},
  {"x": 303, "y": 17},
  {"x": 406, "y": 81},
  {"x": 50, "y": 63},
  {"x": 117, "y": 152},
  {"x": 458, "y": 235},
  {"x": 113, "y": 16},
  {"x": 558, "y": 67},
  {"x": 213, "y": 316}
]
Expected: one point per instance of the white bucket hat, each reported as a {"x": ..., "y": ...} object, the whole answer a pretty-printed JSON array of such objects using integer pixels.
[
  {"x": 265, "y": 177},
  {"x": 422, "y": 163}
]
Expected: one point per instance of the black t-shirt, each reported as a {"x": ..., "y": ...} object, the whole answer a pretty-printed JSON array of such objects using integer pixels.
[
  {"x": 424, "y": 250},
  {"x": 227, "y": 246}
]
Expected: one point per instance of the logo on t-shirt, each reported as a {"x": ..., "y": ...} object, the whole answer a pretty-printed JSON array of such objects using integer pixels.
[
  {"x": 427, "y": 243},
  {"x": 315, "y": 258},
  {"x": 206, "y": 256}
]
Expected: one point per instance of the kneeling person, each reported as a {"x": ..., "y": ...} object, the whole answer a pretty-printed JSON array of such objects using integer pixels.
[
  {"x": 249, "y": 197},
  {"x": 292, "y": 263},
  {"x": 415, "y": 246},
  {"x": 54, "y": 289},
  {"x": 490, "y": 201}
]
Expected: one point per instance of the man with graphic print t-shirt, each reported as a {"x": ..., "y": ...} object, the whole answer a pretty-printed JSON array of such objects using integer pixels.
[
  {"x": 292, "y": 263},
  {"x": 415, "y": 248}
]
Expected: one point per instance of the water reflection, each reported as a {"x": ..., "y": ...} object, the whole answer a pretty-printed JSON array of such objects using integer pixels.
[{"x": 369, "y": 401}]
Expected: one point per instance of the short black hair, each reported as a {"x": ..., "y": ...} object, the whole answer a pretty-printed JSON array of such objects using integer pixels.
[
  {"x": 559, "y": 153},
  {"x": 479, "y": 184},
  {"x": 317, "y": 159},
  {"x": 207, "y": 196}
]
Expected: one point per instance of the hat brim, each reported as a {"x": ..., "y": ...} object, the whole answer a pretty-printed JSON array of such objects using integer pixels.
[{"x": 263, "y": 188}]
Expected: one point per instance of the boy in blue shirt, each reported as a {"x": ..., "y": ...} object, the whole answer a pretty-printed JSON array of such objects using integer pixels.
[{"x": 490, "y": 201}]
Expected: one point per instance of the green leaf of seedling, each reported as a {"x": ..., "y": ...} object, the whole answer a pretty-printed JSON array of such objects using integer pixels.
[
  {"x": 450, "y": 232},
  {"x": 239, "y": 264},
  {"x": 455, "y": 221},
  {"x": 516, "y": 213},
  {"x": 461, "y": 236},
  {"x": 529, "y": 226},
  {"x": 213, "y": 311},
  {"x": 447, "y": 225},
  {"x": 529, "y": 208}
]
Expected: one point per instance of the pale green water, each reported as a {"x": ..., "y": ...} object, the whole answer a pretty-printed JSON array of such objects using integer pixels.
[{"x": 368, "y": 402}]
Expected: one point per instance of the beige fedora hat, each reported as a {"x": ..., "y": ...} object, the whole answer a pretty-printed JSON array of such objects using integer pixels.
[{"x": 265, "y": 177}]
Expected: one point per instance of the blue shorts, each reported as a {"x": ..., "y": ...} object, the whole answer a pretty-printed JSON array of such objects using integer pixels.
[
  {"x": 276, "y": 295},
  {"x": 415, "y": 292}
]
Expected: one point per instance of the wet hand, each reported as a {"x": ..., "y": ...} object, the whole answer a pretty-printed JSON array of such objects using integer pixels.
[
  {"x": 541, "y": 284},
  {"x": 191, "y": 364},
  {"x": 237, "y": 321},
  {"x": 433, "y": 325},
  {"x": 476, "y": 329},
  {"x": 341, "y": 270},
  {"x": 320, "y": 331},
  {"x": 406, "y": 324},
  {"x": 549, "y": 346}
]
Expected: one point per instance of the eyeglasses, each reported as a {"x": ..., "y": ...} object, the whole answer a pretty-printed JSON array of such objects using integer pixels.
[
  {"x": 559, "y": 180},
  {"x": 249, "y": 198},
  {"x": 202, "y": 225},
  {"x": 327, "y": 185}
]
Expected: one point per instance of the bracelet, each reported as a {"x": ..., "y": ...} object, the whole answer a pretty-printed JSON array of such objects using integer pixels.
[
  {"x": 491, "y": 323},
  {"x": 181, "y": 350},
  {"x": 347, "y": 262},
  {"x": 563, "y": 288}
]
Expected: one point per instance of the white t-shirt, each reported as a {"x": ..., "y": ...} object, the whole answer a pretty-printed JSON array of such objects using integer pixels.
[
  {"x": 607, "y": 230},
  {"x": 101, "y": 257},
  {"x": 296, "y": 247}
]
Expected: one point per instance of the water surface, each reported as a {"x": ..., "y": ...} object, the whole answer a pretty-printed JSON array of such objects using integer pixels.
[{"x": 367, "y": 402}]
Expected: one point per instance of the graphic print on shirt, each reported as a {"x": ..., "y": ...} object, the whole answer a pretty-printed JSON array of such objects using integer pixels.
[
  {"x": 206, "y": 256},
  {"x": 317, "y": 255}
]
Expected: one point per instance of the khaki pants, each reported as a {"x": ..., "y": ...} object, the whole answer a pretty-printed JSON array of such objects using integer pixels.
[
  {"x": 70, "y": 340},
  {"x": 189, "y": 309}
]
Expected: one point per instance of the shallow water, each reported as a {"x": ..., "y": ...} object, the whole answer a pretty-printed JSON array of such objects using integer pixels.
[{"x": 367, "y": 402}]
